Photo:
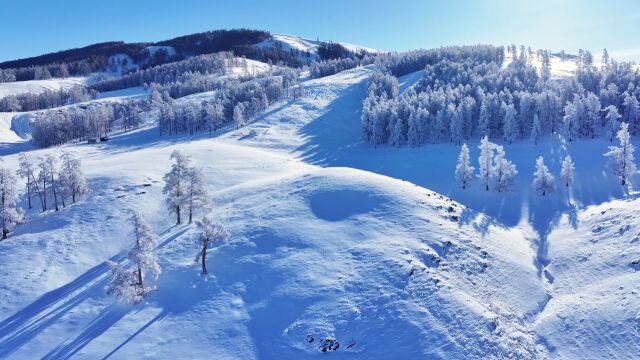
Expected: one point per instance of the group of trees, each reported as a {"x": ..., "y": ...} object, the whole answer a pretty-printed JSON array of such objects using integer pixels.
[
  {"x": 50, "y": 179},
  {"x": 75, "y": 123},
  {"x": 497, "y": 173},
  {"x": 234, "y": 101},
  {"x": 46, "y": 99},
  {"x": 54, "y": 179},
  {"x": 467, "y": 91},
  {"x": 184, "y": 191}
]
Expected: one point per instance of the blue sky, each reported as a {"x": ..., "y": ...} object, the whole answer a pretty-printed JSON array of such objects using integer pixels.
[{"x": 29, "y": 28}]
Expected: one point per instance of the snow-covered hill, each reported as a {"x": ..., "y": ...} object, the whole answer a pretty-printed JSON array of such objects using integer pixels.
[
  {"x": 38, "y": 86},
  {"x": 330, "y": 237},
  {"x": 305, "y": 46}
]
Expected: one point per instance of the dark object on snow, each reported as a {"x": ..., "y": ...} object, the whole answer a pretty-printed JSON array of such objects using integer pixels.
[
  {"x": 329, "y": 344},
  {"x": 92, "y": 141},
  {"x": 146, "y": 185},
  {"x": 351, "y": 345},
  {"x": 104, "y": 138},
  {"x": 310, "y": 338},
  {"x": 636, "y": 264}
]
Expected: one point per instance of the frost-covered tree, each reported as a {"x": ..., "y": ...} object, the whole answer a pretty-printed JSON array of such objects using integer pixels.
[
  {"x": 464, "y": 170},
  {"x": 238, "y": 115},
  {"x": 176, "y": 183},
  {"x": 567, "y": 173},
  {"x": 196, "y": 196},
  {"x": 141, "y": 255},
  {"x": 631, "y": 112},
  {"x": 613, "y": 121},
  {"x": 536, "y": 129},
  {"x": 26, "y": 170},
  {"x": 10, "y": 214},
  {"x": 485, "y": 160},
  {"x": 510, "y": 127},
  {"x": 543, "y": 181},
  {"x": 72, "y": 179},
  {"x": 210, "y": 233},
  {"x": 503, "y": 171},
  {"x": 621, "y": 158},
  {"x": 122, "y": 284},
  {"x": 49, "y": 173}
]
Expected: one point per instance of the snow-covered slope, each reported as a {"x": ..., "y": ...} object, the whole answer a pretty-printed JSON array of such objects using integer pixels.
[
  {"x": 594, "y": 258},
  {"x": 331, "y": 237},
  {"x": 322, "y": 252},
  {"x": 38, "y": 86},
  {"x": 288, "y": 42}
]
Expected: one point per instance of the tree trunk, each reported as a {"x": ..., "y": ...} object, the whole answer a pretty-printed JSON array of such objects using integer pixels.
[
  {"x": 55, "y": 197},
  {"x": 29, "y": 192},
  {"x": 204, "y": 264},
  {"x": 178, "y": 214}
]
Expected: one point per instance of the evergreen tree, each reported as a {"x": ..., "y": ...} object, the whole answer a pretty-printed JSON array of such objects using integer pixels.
[
  {"x": 621, "y": 158},
  {"x": 510, "y": 127},
  {"x": 536, "y": 129},
  {"x": 503, "y": 171},
  {"x": 613, "y": 121},
  {"x": 543, "y": 181},
  {"x": 568, "y": 170},
  {"x": 464, "y": 170},
  {"x": 485, "y": 160}
]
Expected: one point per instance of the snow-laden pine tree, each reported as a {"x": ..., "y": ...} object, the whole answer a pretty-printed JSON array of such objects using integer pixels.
[
  {"x": 485, "y": 160},
  {"x": 210, "y": 233},
  {"x": 175, "y": 186},
  {"x": 141, "y": 255},
  {"x": 510, "y": 127},
  {"x": 613, "y": 121},
  {"x": 464, "y": 170},
  {"x": 196, "y": 196},
  {"x": 72, "y": 179},
  {"x": 543, "y": 181},
  {"x": 536, "y": 129},
  {"x": 503, "y": 171},
  {"x": 621, "y": 158},
  {"x": 456, "y": 126},
  {"x": 567, "y": 173},
  {"x": 10, "y": 214}
]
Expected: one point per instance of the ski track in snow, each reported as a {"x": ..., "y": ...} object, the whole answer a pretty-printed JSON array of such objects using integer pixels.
[{"x": 330, "y": 237}]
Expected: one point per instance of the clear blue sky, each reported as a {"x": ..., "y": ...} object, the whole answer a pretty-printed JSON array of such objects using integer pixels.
[{"x": 33, "y": 27}]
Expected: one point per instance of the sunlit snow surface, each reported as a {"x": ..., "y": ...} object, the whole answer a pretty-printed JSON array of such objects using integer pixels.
[{"x": 331, "y": 237}]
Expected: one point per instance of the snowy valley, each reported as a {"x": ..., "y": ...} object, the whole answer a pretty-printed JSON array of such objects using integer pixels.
[{"x": 336, "y": 216}]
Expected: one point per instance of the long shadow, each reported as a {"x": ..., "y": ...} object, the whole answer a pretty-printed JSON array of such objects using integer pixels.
[
  {"x": 107, "y": 318},
  {"x": 26, "y": 324}
]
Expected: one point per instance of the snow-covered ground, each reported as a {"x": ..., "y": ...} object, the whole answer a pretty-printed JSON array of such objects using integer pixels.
[
  {"x": 39, "y": 86},
  {"x": 330, "y": 237},
  {"x": 289, "y": 42}
]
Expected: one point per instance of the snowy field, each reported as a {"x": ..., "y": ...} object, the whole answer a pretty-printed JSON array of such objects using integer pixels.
[
  {"x": 38, "y": 86},
  {"x": 377, "y": 248}
]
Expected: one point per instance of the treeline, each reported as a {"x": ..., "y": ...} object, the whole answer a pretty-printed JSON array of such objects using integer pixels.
[
  {"x": 55, "y": 70},
  {"x": 466, "y": 91},
  {"x": 76, "y": 123},
  {"x": 234, "y": 101},
  {"x": 46, "y": 99}
]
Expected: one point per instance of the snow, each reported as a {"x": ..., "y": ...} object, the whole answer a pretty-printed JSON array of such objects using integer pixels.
[
  {"x": 288, "y": 42},
  {"x": 171, "y": 52},
  {"x": 39, "y": 86},
  {"x": 377, "y": 248}
]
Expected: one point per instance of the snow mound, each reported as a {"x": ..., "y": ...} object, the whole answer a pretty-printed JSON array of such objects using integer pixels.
[{"x": 595, "y": 266}]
